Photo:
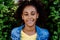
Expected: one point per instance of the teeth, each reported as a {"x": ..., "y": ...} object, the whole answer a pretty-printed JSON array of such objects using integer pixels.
[{"x": 30, "y": 21}]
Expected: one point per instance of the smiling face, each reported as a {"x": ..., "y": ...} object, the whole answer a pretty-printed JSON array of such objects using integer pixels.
[{"x": 29, "y": 15}]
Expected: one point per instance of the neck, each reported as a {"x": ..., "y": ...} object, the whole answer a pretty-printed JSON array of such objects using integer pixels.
[{"x": 30, "y": 30}]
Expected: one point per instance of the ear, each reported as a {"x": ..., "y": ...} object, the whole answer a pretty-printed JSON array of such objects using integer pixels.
[
  {"x": 22, "y": 17},
  {"x": 37, "y": 15}
]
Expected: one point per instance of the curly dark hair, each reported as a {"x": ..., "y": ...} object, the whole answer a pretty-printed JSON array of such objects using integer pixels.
[{"x": 39, "y": 7}]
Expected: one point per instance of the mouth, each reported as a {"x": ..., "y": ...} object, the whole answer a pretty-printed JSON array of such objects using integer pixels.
[{"x": 30, "y": 21}]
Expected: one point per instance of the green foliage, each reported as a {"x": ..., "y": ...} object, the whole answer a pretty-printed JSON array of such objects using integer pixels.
[
  {"x": 7, "y": 9},
  {"x": 56, "y": 19}
]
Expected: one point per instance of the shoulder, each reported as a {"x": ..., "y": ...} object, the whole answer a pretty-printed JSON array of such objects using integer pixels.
[
  {"x": 43, "y": 32},
  {"x": 16, "y": 31}
]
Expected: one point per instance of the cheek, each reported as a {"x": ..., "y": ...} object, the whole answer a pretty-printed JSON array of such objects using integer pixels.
[
  {"x": 24, "y": 18},
  {"x": 35, "y": 16}
]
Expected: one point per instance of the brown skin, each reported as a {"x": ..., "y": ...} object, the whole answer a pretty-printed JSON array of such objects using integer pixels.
[{"x": 29, "y": 16}]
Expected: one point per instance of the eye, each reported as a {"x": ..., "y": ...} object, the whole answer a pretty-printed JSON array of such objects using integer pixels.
[
  {"x": 32, "y": 13},
  {"x": 26, "y": 14}
]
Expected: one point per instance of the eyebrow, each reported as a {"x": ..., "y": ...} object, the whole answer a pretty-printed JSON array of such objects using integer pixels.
[
  {"x": 32, "y": 11},
  {"x": 25, "y": 12}
]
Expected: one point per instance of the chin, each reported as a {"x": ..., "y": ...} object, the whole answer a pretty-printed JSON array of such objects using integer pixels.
[{"x": 30, "y": 25}]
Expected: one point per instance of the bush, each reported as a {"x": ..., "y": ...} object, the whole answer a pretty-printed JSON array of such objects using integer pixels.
[
  {"x": 7, "y": 9},
  {"x": 54, "y": 16}
]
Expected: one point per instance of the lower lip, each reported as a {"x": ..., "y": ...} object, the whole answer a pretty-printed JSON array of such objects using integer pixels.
[{"x": 30, "y": 22}]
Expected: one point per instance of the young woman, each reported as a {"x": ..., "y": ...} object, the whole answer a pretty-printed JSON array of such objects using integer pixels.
[{"x": 29, "y": 11}]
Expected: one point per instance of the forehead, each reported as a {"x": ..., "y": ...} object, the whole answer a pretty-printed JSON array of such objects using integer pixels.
[{"x": 29, "y": 8}]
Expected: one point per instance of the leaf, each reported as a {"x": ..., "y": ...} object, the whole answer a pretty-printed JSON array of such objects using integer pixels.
[
  {"x": 1, "y": 21},
  {"x": 1, "y": 15}
]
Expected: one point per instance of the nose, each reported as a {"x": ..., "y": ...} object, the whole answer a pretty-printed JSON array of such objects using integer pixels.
[{"x": 29, "y": 16}]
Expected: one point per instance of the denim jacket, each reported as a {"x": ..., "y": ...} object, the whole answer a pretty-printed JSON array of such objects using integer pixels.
[{"x": 42, "y": 34}]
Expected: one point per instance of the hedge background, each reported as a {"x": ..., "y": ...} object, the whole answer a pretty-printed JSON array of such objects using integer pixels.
[{"x": 7, "y": 21}]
